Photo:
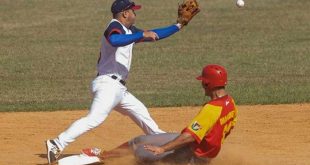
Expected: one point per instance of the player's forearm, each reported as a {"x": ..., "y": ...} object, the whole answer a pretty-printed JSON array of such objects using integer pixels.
[
  {"x": 117, "y": 40},
  {"x": 166, "y": 31},
  {"x": 180, "y": 141}
]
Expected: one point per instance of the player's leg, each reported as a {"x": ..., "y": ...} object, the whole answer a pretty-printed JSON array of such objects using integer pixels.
[
  {"x": 183, "y": 155},
  {"x": 134, "y": 146},
  {"x": 137, "y": 111},
  {"x": 96, "y": 155},
  {"x": 120, "y": 151},
  {"x": 107, "y": 94}
]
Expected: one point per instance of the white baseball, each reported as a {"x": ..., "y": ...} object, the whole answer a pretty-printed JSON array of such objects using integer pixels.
[{"x": 240, "y": 3}]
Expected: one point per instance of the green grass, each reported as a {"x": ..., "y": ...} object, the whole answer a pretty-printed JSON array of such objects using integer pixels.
[{"x": 49, "y": 49}]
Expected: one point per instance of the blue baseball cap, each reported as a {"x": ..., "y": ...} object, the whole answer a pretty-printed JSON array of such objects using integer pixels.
[{"x": 122, "y": 5}]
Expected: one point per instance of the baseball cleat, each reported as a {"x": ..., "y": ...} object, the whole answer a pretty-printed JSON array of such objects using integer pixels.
[
  {"x": 53, "y": 152},
  {"x": 91, "y": 151}
]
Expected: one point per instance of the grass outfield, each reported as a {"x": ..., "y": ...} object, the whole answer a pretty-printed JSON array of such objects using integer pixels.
[{"x": 49, "y": 50}]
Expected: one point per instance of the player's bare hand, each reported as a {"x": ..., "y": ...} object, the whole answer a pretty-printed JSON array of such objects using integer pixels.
[
  {"x": 149, "y": 35},
  {"x": 155, "y": 149}
]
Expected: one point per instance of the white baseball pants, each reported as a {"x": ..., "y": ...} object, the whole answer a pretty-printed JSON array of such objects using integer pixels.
[{"x": 109, "y": 94}]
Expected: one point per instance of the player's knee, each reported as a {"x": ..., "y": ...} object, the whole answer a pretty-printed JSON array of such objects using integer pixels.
[
  {"x": 141, "y": 138},
  {"x": 138, "y": 140}
]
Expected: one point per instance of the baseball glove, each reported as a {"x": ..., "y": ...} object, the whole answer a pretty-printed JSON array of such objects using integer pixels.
[{"x": 186, "y": 11}]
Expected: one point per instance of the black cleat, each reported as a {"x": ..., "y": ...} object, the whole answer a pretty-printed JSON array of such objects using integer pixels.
[{"x": 53, "y": 152}]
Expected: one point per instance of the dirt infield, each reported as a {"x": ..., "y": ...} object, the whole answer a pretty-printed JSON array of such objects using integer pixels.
[{"x": 272, "y": 134}]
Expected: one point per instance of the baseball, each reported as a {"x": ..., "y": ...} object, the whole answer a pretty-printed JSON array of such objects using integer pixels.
[{"x": 240, "y": 3}]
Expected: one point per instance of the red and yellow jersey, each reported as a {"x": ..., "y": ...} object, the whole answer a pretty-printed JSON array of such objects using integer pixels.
[{"x": 212, "y": 125}]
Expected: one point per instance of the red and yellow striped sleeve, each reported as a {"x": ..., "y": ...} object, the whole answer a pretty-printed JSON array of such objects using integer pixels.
[{"x": 204, "y": 121}]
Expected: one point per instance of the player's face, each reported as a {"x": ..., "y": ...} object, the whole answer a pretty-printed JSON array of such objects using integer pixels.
[{"x": 131, "y": 16}]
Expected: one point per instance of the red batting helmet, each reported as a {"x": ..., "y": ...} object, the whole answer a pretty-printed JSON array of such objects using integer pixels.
[{"x": 214, "y": 76}]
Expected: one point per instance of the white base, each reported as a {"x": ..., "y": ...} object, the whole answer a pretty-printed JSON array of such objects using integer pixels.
[{"x": 81, "y": 159}]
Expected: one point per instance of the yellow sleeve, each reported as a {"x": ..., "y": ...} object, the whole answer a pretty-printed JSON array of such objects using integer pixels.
[{"x": 204, "y": 121}]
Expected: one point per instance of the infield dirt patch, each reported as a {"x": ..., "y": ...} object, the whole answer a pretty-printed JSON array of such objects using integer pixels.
[{"x": 269, "y": 134}]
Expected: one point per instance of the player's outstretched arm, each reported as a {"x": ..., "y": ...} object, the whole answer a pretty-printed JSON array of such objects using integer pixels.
[
  {"x": 161, "y": 33},
  {"x": 167, "y": 31},
  {"x": 117, "y": 40}
]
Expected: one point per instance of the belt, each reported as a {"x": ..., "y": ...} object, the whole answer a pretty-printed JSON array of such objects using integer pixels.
[{"x": 120, "y": 80}]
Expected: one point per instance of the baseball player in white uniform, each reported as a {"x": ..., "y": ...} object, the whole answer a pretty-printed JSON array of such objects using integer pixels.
[{"x": 109, "y": 90}]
